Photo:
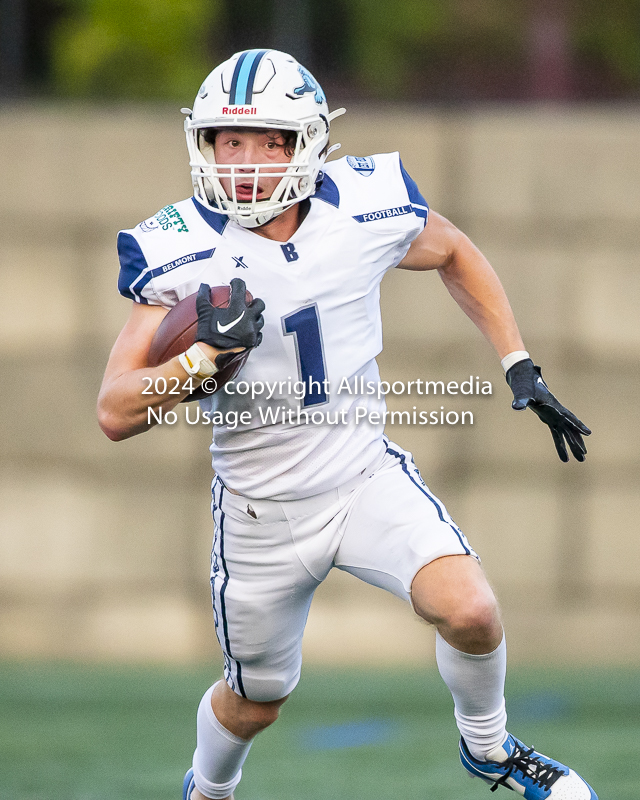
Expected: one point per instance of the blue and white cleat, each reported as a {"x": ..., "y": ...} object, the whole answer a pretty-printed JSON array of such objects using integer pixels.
[
  {"x": 188, "y": 785},
  {"x": 530, "y": 774}
]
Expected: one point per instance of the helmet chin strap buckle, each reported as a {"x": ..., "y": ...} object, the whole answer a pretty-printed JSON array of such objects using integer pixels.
[{"x": 253, "y": 221}]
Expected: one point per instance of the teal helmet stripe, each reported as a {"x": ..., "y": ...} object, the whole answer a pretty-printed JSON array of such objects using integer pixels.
[{"x": 244, "y": 75}]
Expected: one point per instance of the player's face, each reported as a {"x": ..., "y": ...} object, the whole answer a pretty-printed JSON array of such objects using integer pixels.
[{"x": 251, "y": 147}]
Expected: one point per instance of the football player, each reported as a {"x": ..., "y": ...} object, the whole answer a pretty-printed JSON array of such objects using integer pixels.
[{"x": 292, "y": 499}]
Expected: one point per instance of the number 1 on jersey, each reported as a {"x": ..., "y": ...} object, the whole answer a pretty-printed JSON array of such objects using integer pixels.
[{"x": 304, "y": 326}]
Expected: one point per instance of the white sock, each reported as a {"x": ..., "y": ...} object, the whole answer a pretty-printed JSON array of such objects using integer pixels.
[
  {"x": 219, "y": 755},
  {"x": 477, "y": 686}
]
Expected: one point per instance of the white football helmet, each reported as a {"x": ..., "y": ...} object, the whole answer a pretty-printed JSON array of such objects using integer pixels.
[{"x": 263, "y": 89}]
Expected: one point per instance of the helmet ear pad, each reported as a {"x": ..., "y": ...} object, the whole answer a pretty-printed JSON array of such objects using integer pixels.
[{"x": 206, "y": 145}]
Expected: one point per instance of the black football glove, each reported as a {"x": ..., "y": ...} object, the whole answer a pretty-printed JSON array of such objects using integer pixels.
[
  {"x": 530, "y": 391},
  {"x": 237, "y": 325}
]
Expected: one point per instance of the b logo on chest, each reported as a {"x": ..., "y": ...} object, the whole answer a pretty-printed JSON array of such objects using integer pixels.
[{"x": 289, "y": 251}]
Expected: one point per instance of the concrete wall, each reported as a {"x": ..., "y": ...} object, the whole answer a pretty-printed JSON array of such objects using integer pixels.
[{"x": 104, "y": 547}]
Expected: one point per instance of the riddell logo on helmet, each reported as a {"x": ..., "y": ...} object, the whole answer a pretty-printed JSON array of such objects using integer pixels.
[{"x": 239, "y": 110}]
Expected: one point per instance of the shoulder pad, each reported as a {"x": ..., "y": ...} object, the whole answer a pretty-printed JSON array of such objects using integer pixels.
[
  {"x": 374, "y": 189},
  {"x": 169, "y": 220},
  {"x": 175, "y": 237}
]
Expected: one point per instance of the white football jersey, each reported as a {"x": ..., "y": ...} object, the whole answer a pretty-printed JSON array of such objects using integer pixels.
[{"x": 322, "y": 321}]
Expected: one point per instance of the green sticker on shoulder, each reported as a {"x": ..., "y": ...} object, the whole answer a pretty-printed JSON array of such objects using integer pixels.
[{"x": 169, "y": 217}]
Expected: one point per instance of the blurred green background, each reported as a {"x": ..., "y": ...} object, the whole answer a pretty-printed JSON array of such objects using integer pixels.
[{"x": 427, "y": 50}]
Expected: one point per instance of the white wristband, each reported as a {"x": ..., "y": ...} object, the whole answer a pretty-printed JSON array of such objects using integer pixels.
[
  {"x": 195, "y": 363},
  {"x": 512, "y": 358}
]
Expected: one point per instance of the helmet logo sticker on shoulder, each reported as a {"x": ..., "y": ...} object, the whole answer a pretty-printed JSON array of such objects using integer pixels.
[
  {"x": 149, "y": 225},
  {"x": 363, "y": 165},
  {"x": 309, "y": 84}
]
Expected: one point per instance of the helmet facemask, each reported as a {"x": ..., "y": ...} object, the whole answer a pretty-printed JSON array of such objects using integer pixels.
[{"x": 297, "y": 177}]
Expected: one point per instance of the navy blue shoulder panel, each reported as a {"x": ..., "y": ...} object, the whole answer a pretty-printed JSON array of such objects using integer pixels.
[
  {"x": 132, "y": 263},
  {"x": 415, "y": 196},
  {"x": 217, "y": 221},
  {"x": 327, "y": 190}
]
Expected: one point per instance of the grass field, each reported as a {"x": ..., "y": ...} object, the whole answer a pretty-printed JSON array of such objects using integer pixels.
[{"x": 70, "y": 732}]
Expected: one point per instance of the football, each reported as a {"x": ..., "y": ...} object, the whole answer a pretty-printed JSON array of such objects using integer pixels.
[{"x": 177, "y": 332}]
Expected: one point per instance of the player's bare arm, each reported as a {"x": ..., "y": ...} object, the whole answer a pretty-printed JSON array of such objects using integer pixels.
[
  {"x": 476, "y": 288},
  {"x": 469, "y": 278},
  {"x": 122, "y": 408}
]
